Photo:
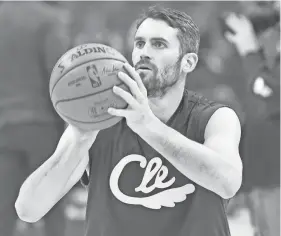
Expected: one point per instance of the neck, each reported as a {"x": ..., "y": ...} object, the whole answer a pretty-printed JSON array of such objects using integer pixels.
[{"x": 163, "y": 108}]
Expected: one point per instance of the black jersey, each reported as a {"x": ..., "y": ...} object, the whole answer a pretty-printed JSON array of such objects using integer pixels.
[{"x": 135, "y": 191}]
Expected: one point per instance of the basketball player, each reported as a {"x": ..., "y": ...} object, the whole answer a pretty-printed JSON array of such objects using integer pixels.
[{"x": 169, "y": 167}]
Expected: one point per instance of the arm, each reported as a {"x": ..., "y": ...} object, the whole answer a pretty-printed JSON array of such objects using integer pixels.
[
  {"x": 55, "y": 177},
  {"x": 216, "y": 165}
]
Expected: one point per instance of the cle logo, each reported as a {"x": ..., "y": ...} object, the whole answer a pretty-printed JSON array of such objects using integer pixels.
[{"x": 166, "y": 198}]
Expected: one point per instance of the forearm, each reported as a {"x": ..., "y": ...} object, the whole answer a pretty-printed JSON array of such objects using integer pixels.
[
  {"x": 46, "y": 185},
  {"x": 65, "y": 159},
  {"x": 196, "y": 161}
]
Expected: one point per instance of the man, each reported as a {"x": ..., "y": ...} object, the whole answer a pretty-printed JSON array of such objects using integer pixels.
[
  {"x": 169, "y": 167},
  {"x": 32, "y": 40},
  {"x": 261, "y": 58}
]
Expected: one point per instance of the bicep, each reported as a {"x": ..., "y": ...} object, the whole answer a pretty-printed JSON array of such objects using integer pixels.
[{"x": 223, "y": 133}]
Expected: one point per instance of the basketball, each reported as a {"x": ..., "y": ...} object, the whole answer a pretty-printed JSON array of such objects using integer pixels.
[{"x": 81, "y": 86}]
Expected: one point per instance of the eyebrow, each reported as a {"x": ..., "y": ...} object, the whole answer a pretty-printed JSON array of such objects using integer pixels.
[{"x": 155, "y": 39}]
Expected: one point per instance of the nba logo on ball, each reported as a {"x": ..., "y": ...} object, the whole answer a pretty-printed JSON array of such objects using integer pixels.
[
  {"x": 93, "y": 76},
  {"x": 94, "y": 68},
  {"x": 92, "y": 112}
]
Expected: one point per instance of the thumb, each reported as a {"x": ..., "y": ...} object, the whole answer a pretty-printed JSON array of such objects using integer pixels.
[{"x": 230, "y": 37}]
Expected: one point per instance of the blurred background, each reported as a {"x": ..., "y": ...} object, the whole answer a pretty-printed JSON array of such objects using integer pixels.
[{"x": 250, "y": 84}]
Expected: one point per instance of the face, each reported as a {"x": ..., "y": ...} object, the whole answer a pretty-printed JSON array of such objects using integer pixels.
[{"x": 156, "y": 56}]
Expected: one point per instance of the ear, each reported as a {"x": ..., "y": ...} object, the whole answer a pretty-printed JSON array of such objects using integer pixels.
[{"x": 189, "y": 62}]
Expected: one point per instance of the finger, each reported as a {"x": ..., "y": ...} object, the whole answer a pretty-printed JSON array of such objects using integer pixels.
[
  {"x": 235, "y": 18},
  {"x": 232, "y": 21},
  {"x": 131, "y": 71},
  {"x": 126, "y": 96},
  {"x": 132, "y": 84},
  {"x": 118, "y": 112},
  {"x": 229, "y": 19},
  {"x": 246, "y": 20}
]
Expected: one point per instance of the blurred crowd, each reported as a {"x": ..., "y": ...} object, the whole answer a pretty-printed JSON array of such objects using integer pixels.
[{"x": 239, "y": 65}]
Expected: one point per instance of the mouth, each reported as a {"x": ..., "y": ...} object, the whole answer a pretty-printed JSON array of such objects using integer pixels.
[{"x": 144, "y": 67}]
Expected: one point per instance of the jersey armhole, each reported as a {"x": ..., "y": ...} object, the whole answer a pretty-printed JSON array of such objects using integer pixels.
[{"x": 203, "y": 115}]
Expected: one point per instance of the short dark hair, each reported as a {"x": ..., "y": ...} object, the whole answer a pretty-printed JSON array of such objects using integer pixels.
[{"x": 188, "y": 35}]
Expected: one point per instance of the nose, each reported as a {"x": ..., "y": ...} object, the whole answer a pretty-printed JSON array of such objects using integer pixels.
[
  {"x": 145, "y": 57},
  {"x": 144, "y": 54},
  {"x": 141, "y": 54}
]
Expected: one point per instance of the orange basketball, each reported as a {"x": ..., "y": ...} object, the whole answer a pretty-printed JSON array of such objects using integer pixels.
[{"x": 81, "y": 86}]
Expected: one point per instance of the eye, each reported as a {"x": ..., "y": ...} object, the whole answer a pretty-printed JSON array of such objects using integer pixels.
[
  {"x": 159, "y": 44},
  {"x": 139, "y": 44}
]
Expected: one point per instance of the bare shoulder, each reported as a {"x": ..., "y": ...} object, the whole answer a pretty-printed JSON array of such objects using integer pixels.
[{"x": 224, "y": 122}]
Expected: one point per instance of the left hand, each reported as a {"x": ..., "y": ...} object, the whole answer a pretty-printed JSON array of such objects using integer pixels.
[{"x": 138, "y": 113}]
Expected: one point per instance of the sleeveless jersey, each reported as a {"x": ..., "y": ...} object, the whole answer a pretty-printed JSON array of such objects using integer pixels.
[{"x": 134, "y": 191}]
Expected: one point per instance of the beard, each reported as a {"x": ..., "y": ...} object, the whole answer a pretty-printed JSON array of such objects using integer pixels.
[{"x": 158, "y": 82}]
